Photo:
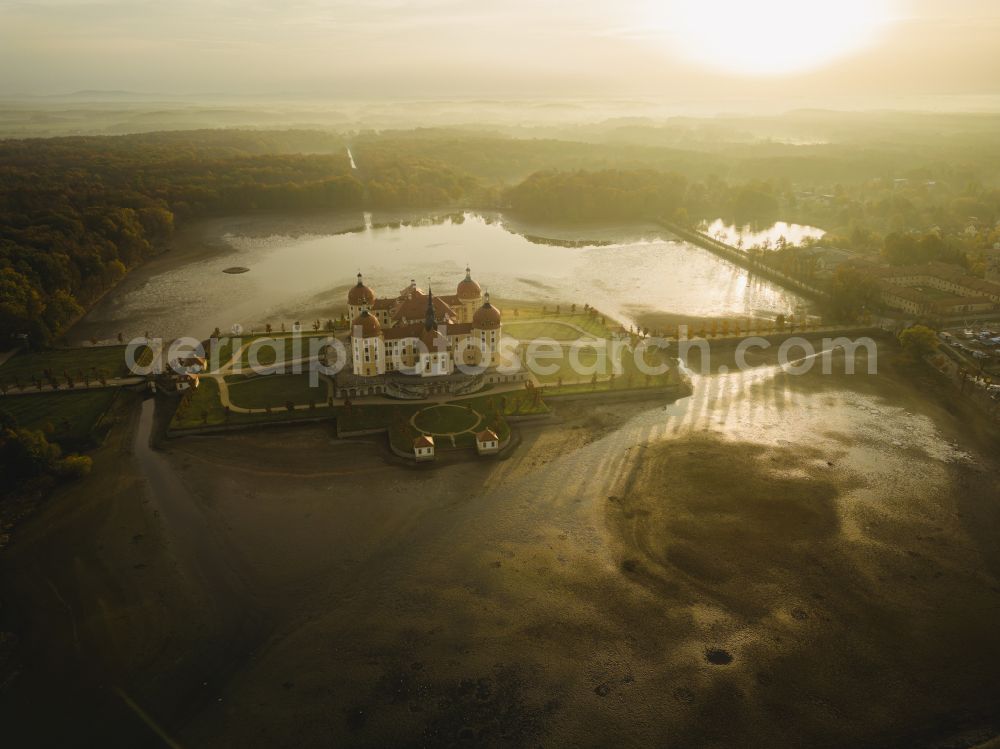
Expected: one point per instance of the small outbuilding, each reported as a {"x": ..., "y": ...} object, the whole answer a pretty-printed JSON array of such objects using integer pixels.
[
  {"x": 423, "y": 448},
  {"x": 487, "y": 442},
  {"x": 189, "y": 364}
]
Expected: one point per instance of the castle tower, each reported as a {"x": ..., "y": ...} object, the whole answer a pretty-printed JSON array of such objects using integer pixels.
[
  {"x": 470, "y": 296},
  {"x": 359, "y": 299},
  {"x": 367, "y": 346},
  {"x": 487, "y": 331}
]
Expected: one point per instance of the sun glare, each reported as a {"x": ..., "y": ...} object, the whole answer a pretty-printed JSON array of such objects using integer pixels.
[{"x": 772, "y": 37}]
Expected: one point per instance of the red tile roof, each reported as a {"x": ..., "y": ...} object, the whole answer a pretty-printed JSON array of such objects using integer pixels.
[{"x": 415, "y": 308}]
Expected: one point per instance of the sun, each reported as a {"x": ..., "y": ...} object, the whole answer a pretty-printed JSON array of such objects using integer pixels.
[{"x": 771, "y": 37}]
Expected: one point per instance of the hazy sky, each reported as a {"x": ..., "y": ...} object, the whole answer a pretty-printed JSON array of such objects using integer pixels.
[{"x": 528, "y": 48}]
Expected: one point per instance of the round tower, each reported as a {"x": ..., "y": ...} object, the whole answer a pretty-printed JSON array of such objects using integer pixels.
[
  {"x": 486, "y": 330},
  {"x": 470, "y": 296},
  {"x": 367, "y": 346},
  {"x": 359, "y": 298}
]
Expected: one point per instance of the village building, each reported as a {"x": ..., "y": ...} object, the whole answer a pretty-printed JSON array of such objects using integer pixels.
[
  {"x": 487, "y": 442},
  {"x": 423, "y": 448},
  {"x": 937, "y": 289},
  {"x": 182, "y": 374}
]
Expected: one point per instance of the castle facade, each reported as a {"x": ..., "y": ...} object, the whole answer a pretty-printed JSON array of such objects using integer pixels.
[{"x": 418, "y": 333}]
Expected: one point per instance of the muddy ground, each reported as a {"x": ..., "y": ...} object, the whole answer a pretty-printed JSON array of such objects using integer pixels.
[{"x": 775, "y": 561}]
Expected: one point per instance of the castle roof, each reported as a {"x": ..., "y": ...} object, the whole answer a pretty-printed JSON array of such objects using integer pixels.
[
  {"x": 414, "y": 329},
  {"x": 398, "y": 332},
  {"x": 486, "y": 317},
  {"x": 410, "y": 290},
  {"x": 360, "y": 294},
  {"x": 365, "y": 326},
  {"x": 415, "y": 308},
  {"x": 467, "y": 288}
]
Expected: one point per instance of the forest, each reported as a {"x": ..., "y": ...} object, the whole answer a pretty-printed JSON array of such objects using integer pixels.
[
  {"x": 76, "y": 213},
  {"x": 636, "y": 195}
]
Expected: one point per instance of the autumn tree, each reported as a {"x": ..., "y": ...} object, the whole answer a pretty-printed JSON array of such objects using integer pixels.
[{"x": 918, "y": 341}]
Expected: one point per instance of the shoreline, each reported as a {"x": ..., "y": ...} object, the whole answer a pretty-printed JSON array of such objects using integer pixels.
[
  {"x": 494, "y": 572},
  {"x": 203, "y": 241}
]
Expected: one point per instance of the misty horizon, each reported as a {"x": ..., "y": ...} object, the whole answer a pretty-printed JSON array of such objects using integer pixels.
[{"x": 897, "y": 48}]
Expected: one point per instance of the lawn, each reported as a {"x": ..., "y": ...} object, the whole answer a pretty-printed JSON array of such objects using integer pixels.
[
  {"x": 402, "y": 435},
  {"x": 205, "y": 409},
  {"x": 524, "y": 403},
  {"x": 275, "y": 390},
  {"x": 439, "y": 419},
  {"x": 592, "y": 325},
  {"x": 267, "y": 351},
  {"x": 77, "y": 362},
  {"x": 555, "y": 329},
  {"x": 446, "y": 419},
  {"x": 560, "y": 324},
  {"x": 201, "y": 407},
  {"x": 264, "y": 348},
  {"x": 626, "y": 376},
  {"x": 67, "y": 417},
  {"x": 564, "y": 368}
]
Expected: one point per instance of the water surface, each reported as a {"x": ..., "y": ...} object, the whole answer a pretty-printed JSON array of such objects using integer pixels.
[
  {"x": 761, "y": 235},
  {"x": 303, "y": 275}
]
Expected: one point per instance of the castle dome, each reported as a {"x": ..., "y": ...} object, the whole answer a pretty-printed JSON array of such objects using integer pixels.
[
  {"x": 467, "y": 288},
  {"x": 365, "y": 326},
  {"x": 486, "y": 317},
  {"x": 360, "y": 294}
]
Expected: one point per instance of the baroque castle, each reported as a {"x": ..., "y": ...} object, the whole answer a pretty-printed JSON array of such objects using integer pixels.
[{"x": 420, "y": 334}]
